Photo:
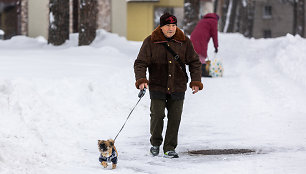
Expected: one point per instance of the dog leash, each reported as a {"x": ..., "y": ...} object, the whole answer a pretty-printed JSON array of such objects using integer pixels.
[{"x": 140, "y": 95}]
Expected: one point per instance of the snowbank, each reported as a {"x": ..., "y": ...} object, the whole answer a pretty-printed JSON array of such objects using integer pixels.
[{"x": 57, "y": 101}]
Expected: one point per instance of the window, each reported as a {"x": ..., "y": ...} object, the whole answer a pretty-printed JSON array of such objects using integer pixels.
[
  {"x": 267, "y": 34},
  {"x": 267, "y": 11}
]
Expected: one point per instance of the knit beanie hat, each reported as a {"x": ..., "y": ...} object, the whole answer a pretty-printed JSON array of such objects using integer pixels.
[{"x": 167, "y": 19}]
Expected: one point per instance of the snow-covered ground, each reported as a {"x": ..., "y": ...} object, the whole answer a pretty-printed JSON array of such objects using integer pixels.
[{"x": 56, "y": 102}]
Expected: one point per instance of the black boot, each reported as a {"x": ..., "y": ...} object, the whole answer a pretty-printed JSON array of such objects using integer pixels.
[
  {"x": 171, "y": 154},
  {"x": 154, "y": 150},
  {"x": 205, "y": 71}
]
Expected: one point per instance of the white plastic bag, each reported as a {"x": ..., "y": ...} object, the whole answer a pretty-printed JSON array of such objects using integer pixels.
[{"x": 216, "y": 67}]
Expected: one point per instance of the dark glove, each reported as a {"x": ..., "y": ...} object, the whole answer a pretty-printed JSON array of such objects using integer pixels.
[{"x": 216, "y": 50}]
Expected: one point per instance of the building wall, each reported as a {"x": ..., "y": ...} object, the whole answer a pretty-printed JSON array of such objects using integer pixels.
[
  {"x": 119, "y": 17},
  {"x": 38, "y": 18},
  {"x": 140, "y": 19},
  {"x": 280, "y": 23},
  {"x": 171, "y": 3}
]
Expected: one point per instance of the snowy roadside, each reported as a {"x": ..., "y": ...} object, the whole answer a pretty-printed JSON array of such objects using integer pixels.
[{"x": 56, "y": 102}]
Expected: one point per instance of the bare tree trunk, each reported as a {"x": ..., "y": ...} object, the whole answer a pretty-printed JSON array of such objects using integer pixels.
[
  {"x": 88, "y": 21},
  {"x": 232, "y": 18},
  {"x": 191, "y": 15},
  {"x": 225, "y": 5},
  {"x": 251, "y": 16},
  {"x": 243, "y": 17},
  {"x": 294, "y": 3},
  {"x": 300, "y": 18},
  {"x": 216, "y": 3},
  {"x": 75, "y": 14},
  {"x": 11, "y": 20},
  {"x": 18, "y": 6},
  {"x": 59, "y": 21},
  {"x": 246, "y": 17},
  {"x": 238, "y": 16}
]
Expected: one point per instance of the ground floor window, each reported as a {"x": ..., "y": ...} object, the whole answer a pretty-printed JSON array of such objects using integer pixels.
[{"x": 267, "y": 34}]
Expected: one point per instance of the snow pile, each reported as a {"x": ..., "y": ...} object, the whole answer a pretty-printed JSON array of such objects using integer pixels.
[
  {"x": 291, "y": 57},
  {"x": 56, "y": 102},
  {"x": 284, "y": 53}
]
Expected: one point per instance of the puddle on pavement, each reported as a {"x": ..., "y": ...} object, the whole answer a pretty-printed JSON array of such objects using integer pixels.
[{"x": 222, "y": 151}]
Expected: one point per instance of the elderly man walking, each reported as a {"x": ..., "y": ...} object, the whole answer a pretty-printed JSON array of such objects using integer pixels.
[{"x": 165, "y": 53}]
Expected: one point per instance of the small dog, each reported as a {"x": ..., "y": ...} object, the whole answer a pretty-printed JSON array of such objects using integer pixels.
[{"x": 108, "y": 153}]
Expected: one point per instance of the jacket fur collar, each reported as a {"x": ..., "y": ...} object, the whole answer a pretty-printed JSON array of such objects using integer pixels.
[{"x": 158, "y": 36}]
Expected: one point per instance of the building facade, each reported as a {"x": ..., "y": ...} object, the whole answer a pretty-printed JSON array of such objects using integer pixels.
[
  {"x": 133, "y": 19},
  {"x": 272, "y": 19},
  {"x": 258, "y": 18}
]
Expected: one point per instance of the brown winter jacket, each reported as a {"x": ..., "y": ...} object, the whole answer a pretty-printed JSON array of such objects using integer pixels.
[{"x": 165, "y": 74}]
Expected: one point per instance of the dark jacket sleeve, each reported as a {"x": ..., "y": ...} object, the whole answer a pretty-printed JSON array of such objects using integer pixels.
[
  {"x": 194, "y": 65},
  {"x": 142, "y": 62}
]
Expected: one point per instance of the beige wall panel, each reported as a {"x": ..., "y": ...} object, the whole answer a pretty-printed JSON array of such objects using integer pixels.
[
  {"x": 38, "y": 13},
  {"x": 173, "y": 3},
  {"x": 140, "y": 21},
  {"x": 119, "y": 17}
]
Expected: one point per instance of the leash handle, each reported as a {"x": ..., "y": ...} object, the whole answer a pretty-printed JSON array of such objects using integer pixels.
[{"x": 142, "y": 92}]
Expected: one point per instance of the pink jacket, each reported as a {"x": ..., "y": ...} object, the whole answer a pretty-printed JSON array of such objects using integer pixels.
[{"x": 205, "y": 29}]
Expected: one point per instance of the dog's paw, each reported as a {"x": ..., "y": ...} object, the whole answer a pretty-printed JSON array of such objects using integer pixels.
[
  {"x": 114, "y": 166},
  {"x": 104, "y": 164}
]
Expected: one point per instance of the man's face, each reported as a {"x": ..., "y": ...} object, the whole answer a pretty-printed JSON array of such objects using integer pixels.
[{"x": 169, "y": 30}]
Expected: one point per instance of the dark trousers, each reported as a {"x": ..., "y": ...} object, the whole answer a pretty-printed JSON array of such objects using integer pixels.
[{"x": 174, "y": 108}]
